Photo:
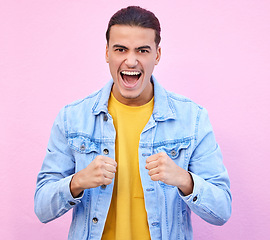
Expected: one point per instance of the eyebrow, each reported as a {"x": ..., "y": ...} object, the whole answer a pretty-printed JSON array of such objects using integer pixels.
[
  {"x": 119, "y": 46},
  {"x": 139, "y": 48},
  {"x": 144, "y": 47}
]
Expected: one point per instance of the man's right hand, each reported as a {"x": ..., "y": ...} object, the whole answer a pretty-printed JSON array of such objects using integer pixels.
[{"x": 100, "y": 171}]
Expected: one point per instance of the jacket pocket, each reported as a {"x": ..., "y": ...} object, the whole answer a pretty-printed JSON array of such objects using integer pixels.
[
  {"x": 82, "y": 144},
  {"x": 177, "y": 151},
  {"x": 173, "y": 150},
  {"x": 84, "y": 150}
]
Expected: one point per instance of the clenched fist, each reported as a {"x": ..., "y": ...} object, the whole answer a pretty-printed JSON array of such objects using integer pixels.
[
  {"x": 99, "y": 172},
  {"x": 162, "y": 168}
]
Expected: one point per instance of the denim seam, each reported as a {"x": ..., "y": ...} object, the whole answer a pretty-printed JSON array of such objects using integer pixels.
[
  {"x": 162, "y": 143},
  {"x": 86, "y": 210},
  {"x": 89, "y": 137},
  {"x": 196, "y": 126},
  {"x": 170, "y": 105},
  {"x": 65, "y": 122},
  {"x": 166, "y": 212},
  {"x": 96, "y": 210},
  {"x": 179, "y": 98},
  {"x": 96, "y": 102},
  {"x": 178, "y": 216}
]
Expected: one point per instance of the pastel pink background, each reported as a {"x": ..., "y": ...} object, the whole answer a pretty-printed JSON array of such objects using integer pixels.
[{"x": 215, "y": 52}]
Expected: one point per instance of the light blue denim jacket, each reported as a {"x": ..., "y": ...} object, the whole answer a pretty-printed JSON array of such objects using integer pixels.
[{"x": 178, "y": 126}]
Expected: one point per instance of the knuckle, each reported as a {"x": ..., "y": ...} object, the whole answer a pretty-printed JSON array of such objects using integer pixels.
[
  {"x": 162, "y": 175},
  {"x": 162, "y": 154},
  {"x": 97, "y": 182},
  {"x": 99, "y": 173},
  {"x": 101, "y": 164},
  {"x": 108, "y": 181},
  {"x": 162, "y": 161},
  {"x": 98, "y": 165},
  {"x": 101, "y": 179},
  {"x": 155, "y": 178},
  {"x": 99, "y": 157},
  {"x": 161, "y": 168}
]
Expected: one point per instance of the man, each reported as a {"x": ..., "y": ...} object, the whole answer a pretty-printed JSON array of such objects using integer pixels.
[{"x": 132, "y": 159}]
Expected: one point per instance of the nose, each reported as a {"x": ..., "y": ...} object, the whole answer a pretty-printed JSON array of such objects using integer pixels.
[{"x": 131, "y": 60}]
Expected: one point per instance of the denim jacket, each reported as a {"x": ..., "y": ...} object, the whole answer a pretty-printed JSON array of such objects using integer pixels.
[{"x": 177, "y": 126}]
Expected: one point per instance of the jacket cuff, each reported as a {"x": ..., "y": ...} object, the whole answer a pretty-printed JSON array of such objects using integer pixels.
[
  {"x": 66, "y": 193},
  {"x": 194, "y": 197}
]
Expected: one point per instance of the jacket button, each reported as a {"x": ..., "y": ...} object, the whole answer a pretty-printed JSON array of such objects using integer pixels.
[
  {"x": 105, "y": 118},
  {"x": 106, "y": 151},
  {"x": 103, "y": 186},
  {"x": 95, "y": 220},
  {"x": 72, "y": 203},
  {"x": 82, "y": 147},
  {"x": 195, "y": 199},
  {"x": 155, "y": 224},
  {"x": 173, "y": 153}
]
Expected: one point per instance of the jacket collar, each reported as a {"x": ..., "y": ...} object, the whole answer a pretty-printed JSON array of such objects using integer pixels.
[
  {"x": 163, "y": 107},
  {"x": 101, "y": 104}
]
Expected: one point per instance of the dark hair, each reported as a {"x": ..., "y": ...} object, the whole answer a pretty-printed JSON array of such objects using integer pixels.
[{"x": 135, "y": 16}]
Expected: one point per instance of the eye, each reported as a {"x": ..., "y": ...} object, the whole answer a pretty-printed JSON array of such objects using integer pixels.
[
  {"x": 143, "y": 51},
  {"x": 120, "y": 50}
]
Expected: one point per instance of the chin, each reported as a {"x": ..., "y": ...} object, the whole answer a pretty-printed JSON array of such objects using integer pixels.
[{"x": 130, "y": 95}]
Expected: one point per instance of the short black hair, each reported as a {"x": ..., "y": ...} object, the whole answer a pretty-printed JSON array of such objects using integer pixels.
[{"x": 135, "y": 16}]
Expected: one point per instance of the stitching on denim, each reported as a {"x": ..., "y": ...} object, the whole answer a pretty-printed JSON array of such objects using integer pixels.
[
  {"x": 89, "y": 137},
  {"x": 197, "y": 125},
  {"x": 65, "y": 122},
  {"x": 86, "y": 219},
  {"x": 170, "y": 104},
  {"x": 74, "y": 104},
  {"x": 96, "y": 210},
  {"x": 181, "y": 99},
  {"x": 162, "y": 143},
  {"x": 186, "y": 160},
  {"x": 178, "y": 216},
  {"x": 96, "y": 102},
  {"x": 166, "y": 211}
]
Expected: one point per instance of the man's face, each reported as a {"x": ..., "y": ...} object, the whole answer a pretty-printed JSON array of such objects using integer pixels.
[{"x": 132, "y": 55}]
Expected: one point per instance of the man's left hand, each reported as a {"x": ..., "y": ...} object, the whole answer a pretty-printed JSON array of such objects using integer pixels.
[{"x": 162, "y": 168}]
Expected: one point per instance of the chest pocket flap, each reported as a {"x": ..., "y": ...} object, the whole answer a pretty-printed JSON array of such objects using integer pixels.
[
  {"x": 83, "y": 144},
  {"x": 173, "y": 149}
]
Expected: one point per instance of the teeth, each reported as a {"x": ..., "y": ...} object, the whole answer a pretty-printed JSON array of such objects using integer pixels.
[{"x": 130, "y": 73}]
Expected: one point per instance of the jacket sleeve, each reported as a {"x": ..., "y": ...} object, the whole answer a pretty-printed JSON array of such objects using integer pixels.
[
  {"x": 52, "y": 195},
  {"x": 211, "y": 197}
]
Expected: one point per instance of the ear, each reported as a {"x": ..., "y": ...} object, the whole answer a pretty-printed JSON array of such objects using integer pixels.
[
  {"x": 107, "y": 53},
  {"x": 158, "y": 55}
]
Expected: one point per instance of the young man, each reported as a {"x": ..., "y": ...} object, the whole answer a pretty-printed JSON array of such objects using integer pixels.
[{"x": 132, "y": 159}]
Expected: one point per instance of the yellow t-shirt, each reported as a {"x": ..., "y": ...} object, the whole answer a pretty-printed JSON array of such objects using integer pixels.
[{"x": 127, "y": 217}]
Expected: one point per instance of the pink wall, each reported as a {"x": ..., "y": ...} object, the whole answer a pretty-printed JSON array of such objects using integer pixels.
[{"x": 215, "y": 52}]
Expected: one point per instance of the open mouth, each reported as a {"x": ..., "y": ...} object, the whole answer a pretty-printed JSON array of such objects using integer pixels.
[{"x": 130, "y": 78}]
